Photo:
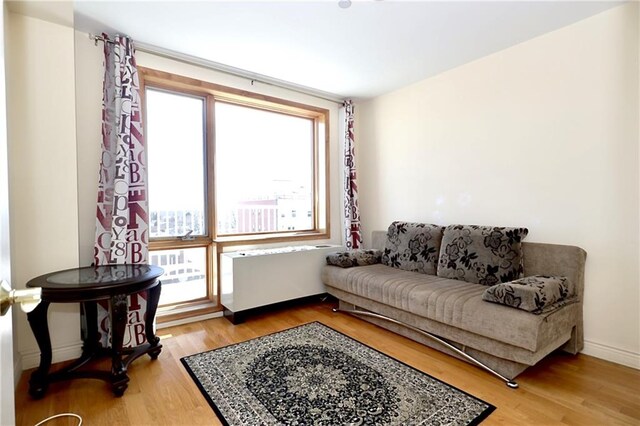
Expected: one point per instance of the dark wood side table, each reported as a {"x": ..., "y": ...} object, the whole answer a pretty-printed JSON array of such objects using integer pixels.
[{"x": 86, "y": 286}]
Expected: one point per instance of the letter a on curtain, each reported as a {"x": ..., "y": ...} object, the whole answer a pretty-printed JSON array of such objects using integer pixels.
[
  {"x": 353, "y": 237},
  {"x": 122, "y": 219}
]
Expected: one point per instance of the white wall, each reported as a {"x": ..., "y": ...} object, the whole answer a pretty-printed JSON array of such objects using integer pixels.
[
  {"x": 42, "y": 169},
  {"x": 543, "y": 135},
  {"x": 89, "y": 76}
]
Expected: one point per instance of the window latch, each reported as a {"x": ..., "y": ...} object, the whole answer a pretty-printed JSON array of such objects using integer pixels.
[{"x": 188, "y": 236}]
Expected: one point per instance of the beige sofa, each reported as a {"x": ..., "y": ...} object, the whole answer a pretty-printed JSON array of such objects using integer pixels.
[{"x": 450, "y": 315}]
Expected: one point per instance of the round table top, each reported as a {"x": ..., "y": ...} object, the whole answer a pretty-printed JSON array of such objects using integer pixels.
[{"x": 96, "y": 282}]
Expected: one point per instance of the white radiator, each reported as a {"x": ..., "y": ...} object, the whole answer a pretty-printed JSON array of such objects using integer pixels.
[{"x": 255, "y": 278}]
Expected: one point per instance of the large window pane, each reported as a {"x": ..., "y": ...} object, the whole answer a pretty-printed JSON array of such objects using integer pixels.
[
  {"x": 185, "y": 274},
  {"x": 175, "y": 135},
  {"x": 264, "y": 175}
]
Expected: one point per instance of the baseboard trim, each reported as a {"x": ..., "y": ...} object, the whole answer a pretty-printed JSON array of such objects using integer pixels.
[
  {"x": 31, "y": 359},
  {"x": 609, "y": 353}
]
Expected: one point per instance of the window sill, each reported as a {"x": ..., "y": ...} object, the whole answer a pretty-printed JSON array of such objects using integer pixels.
[{"x": 236, "y": 240}]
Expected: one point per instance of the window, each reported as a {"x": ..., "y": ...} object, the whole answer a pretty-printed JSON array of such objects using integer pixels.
[
  {"x": 263, "y": 168},
  {"x": 226, "y": 167},
  {"x": 185, "y": 277},
  {"x": 177, "y": 197},
  {"x": 175, "y": 164}
]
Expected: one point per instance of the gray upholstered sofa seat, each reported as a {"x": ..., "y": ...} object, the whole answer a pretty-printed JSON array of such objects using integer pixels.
[
  {"x": 454, "y": 303},
  {"x": 505, "y": 339}
]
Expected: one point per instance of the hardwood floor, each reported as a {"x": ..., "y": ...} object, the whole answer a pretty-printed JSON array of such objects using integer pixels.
[{"x": 562, "y": 389}]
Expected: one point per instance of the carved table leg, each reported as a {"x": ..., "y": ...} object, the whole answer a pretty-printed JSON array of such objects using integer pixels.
[
  {"x": 92, "y": 340},
  {"x": 152, "y": 307},
  {"x": 119, "y": 378},
  {"x": 38, "y": 382}
]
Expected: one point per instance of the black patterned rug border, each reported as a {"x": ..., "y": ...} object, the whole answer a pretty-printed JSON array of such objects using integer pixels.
[
  {"x": 203, "y": 390},
  {"x": 490, "y": 407}
]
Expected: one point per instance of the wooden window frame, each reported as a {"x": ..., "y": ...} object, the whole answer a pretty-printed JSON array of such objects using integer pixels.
[{"x": 215, "y": 244}]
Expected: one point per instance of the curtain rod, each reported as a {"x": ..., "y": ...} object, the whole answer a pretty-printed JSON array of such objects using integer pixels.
[
  {"x": 229, "y": 70},
  {"x": 97, "y": 38}
]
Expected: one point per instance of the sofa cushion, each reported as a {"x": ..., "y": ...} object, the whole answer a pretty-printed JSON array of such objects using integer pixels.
[
  {"x": 413, "y": 247},
  {"x": 455, "y": 303},
  {"x": 536, "y": 294},
  {"x": 484, "y": 255},
  {"x": 360, "y": 257}
]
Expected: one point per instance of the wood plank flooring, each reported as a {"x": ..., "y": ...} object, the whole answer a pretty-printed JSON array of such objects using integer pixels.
[{"x": 563, "y": 389}]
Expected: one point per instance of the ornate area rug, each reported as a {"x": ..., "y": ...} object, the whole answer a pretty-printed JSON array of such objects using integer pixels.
[{"x": 314, "y": 375}]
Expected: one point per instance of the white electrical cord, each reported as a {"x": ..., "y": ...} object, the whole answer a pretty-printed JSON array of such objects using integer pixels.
[{"x": 61, "y": 415}]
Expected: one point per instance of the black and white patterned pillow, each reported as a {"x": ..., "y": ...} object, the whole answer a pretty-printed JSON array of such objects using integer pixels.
[
  {"x": 413, "y": 247},
  {"x": 536, "y": 294},
  {"x": 484, "y": 255},
  {"x": 360, "y": 257}
]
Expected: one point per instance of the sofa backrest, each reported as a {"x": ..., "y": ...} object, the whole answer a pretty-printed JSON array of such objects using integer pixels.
[
  {"x": 485, "y": 255},
  {"x": 539, "y": 259},
  {"x": 413, "y": 247}
]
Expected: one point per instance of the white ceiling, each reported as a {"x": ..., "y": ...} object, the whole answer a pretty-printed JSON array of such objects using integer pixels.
[{"x": 369, "y": 49}]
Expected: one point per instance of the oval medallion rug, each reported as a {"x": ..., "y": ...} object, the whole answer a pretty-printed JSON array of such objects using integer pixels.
[{"x": 314, "y": 375}]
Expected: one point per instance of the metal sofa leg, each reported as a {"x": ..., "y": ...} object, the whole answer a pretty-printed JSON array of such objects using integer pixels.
[{"x": 510, "y": 383}]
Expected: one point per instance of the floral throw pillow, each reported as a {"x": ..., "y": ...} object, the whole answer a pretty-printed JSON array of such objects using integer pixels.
[
  {"x": 536, "y": 294},
  {"x": 484, "y": 255},
  {"x": 361, "y": 257},
  {"x": 413, "y": 247}
]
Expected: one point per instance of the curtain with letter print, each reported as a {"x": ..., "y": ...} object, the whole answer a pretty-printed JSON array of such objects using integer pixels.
[
  {"x": 353, "y": 236},
  {"x": 122, "y": 217}
]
